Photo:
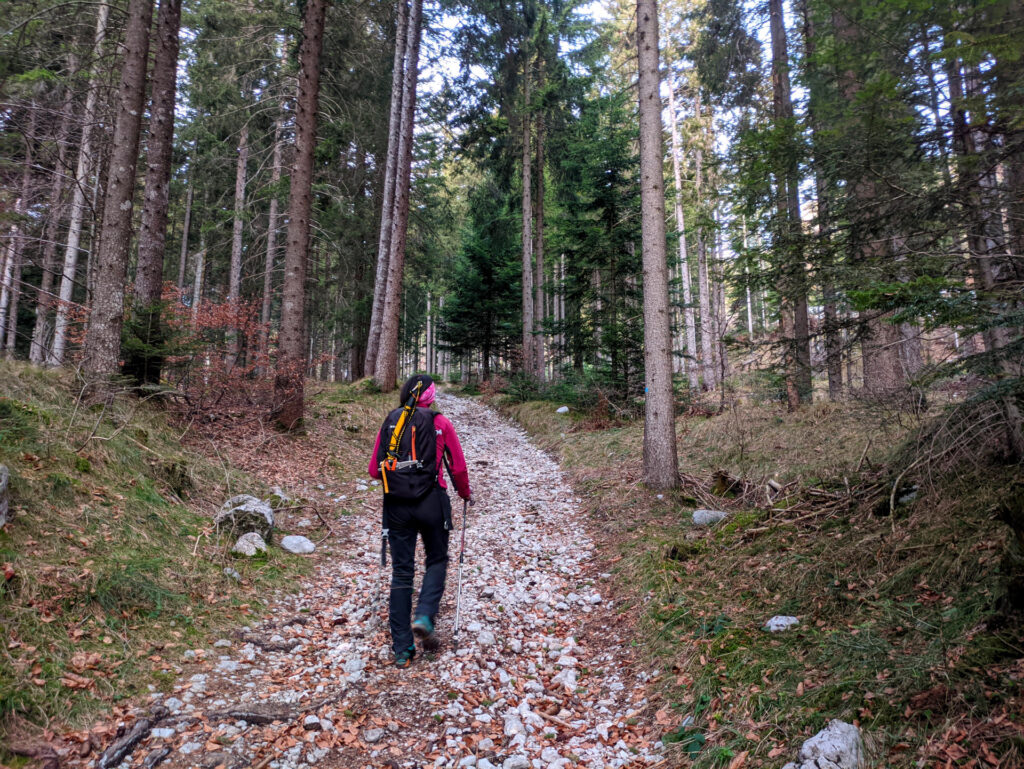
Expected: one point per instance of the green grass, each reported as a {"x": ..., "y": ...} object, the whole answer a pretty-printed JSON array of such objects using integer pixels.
[
  {"x": 112, "y": 550},
  {"x": 900, "y": 626}
]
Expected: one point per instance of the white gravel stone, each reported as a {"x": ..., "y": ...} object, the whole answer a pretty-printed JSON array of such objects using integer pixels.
[
  {"x": 249, "y": 545},
  {"x": 778, "y": 623},
  {"x": 298, "y": 544},
  {"x": 704, "y": 517},
  {"x": 837, "y": 746},
  {"x": 486, "y": 638}
]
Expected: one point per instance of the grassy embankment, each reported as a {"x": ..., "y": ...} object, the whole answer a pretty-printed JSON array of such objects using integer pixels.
[
  {"x": 111, "y": 565},
  {"x": 899, "y": 616}
]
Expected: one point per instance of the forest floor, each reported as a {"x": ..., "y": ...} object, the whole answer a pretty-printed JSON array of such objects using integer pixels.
[
  {"x": 903, "y": 627},
  {"x": 541, "y": 673},
  {"x": 598, "y": 620}
]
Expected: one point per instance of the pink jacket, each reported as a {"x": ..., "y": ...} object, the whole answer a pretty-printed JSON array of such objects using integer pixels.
[{"x": 447, "y": 442}]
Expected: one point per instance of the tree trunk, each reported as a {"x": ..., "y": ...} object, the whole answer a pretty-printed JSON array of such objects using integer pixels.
[
  {"x": 102, "y": 349},
  {"x": 47, "y": 283},
  {"x": 385, "y": 372},
  {"x": 7, "y": 272},
  {"x": 880, "y": 339},
  {"x": 185, "y": 230},
  {"x": 380, "y": 281},
  {"x": 81, "y": 184},
  {"x": 993, "y": 278},
  {"x": 289, "y": 379},
  {"x": 707, "y": 358},
  {"x": 197, "y": 284},
  {"x": 268, "y": 262},
  {"x": 833, "y": 342},
  {"x": 538, "y": 250},
  {"x": 792, "y": 283},
  {"x": 153, "y": 229},
  {"x": 684, "y": 261},
  {"x": 18, "y": 234},
  {"x": 661, "y": 468},
  {"x": 235, "y": 276},
  {"x": 529, "y": 357}
]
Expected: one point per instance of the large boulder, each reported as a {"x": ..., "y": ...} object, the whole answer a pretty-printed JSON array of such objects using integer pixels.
[
  {"x": 837, "y": 746},
  {"x": 5, "y": 494},
  {"x": 244, "y": 513}
]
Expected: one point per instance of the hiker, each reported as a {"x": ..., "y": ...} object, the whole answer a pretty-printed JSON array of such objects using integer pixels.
[{"x": 413, "y": 447}]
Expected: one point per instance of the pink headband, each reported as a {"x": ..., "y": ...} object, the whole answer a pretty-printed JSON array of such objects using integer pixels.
[{"x": 427, "y": 396}]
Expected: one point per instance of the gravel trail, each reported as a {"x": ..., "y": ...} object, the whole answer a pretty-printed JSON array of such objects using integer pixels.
[{"x": 537, "y": 679}]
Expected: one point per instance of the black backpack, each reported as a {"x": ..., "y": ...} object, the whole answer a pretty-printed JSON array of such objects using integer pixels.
[{"x": 413, "y": 472}]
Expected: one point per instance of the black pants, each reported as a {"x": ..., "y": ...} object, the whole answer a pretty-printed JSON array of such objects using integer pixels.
[{"x": 430, "y": 518}]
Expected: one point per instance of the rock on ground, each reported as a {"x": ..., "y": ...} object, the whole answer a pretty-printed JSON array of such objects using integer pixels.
[
  {"x": 249, "y": 545},
  {"x": 708, "y": 517},
  {"x": 244, "y": 513},
  {"x": 298, "y": 544},
  {"x": 779, "y": 622},
  {"x": 837, "y": 746}
]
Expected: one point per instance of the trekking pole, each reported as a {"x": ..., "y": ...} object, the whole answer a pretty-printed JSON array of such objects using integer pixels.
[{"x": 462, "y": 560}]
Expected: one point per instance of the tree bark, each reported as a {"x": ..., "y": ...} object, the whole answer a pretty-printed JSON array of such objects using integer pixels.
[
  {"x": 689, "y": 321},
  {"x": 289, "y": 379},
  {"x": 103, "y": 338},
  {"x": 268, "y": 262},
  {"x": 707, "y": 358},
  {"x": 833, "y": 341},
  {"x": 793, "y": 291},
  {"x": 386, "y": 369},
  {"x": 380, "y": 281},
  {"x": 538, "y": 250},
  {"x": 185, "y": 230},
  {"x": 880, "y": 339},
  {"x": 527, "y": 237},
  {"x": 661, "y": 468},
  {"x": 235, "y": 275},
  {"x": 17, "y": 250},
  {"x": 80, "y": 188},
  {"x": 153, "y": 229},
  {"x": 47, "y": 283}
]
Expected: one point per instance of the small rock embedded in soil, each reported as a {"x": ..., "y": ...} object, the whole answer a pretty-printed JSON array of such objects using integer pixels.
[
  {"x": 250, "y": 544},
  {"x": 702, "y": 517},
  {"x": 778, "y": 623},
  {"x": 298, "y": 544},
  {"x": 837, "y": 746},
  {"x": 373, "y": 735}
]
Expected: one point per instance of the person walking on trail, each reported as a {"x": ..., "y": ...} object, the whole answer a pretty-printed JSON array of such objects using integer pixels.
[{"x": 413, "y": 447}]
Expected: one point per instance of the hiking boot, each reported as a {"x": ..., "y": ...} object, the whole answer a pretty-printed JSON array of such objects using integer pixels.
[
  {"x": 404, "y": 659},
  {"x": 423, "y": 629}
]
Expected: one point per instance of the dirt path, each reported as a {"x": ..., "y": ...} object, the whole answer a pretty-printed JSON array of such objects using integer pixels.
[{"x": 538, "y": 677}]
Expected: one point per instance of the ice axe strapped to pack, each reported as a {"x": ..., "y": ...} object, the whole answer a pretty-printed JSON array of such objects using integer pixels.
[
  {"x": 407, "y": 453},
  {"x": 390, "y": 461}
]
